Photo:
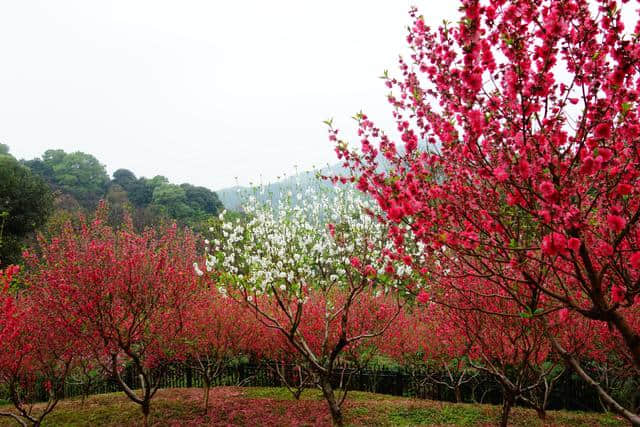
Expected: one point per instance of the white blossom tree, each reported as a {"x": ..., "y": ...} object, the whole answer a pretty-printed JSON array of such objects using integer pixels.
[{"x": 317, "y": 267}]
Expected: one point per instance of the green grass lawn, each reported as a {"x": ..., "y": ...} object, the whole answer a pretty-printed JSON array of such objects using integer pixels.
[{"x": 263, "y": 406}]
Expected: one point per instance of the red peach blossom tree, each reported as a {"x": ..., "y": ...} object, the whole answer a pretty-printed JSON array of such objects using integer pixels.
[
  {"x": 122, "y": 294},
  {"x": 423, "y": 339},
  {"x": 520, "y": 157},
  {"x": 512, "y": 350},
  {"x": 216, "y": 329},
  {"x": 36, "y": 354}
]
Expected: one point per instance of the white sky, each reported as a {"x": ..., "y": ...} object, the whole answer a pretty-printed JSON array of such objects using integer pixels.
[{"x": 198, "y": 91}]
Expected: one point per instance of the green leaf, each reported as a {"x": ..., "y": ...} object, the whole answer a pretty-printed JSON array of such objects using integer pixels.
[
  {"x": 626, "y": 106},
  {"x": 416, "y": 94}
]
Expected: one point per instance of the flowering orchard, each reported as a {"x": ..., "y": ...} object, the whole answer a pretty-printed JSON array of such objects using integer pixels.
[
  {"x": 312, "y": 282},
  {"x": 529, "y": 179},
  {"x": 318, "y": 269},
  {"x": 97, "y": 302},
  {"x": 498, "y": 238}
]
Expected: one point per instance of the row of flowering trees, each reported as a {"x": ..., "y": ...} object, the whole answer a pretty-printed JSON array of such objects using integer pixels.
[
  {"x": 314, "y": 282},
  {"x": 518, "y": 171},
  {"x": 336, "y": 282},
  {"x": 311, "y": 283}
]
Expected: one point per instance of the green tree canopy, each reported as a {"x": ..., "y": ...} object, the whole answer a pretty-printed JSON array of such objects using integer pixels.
[
  {"x": 42, "y": 169},
  {"x": 202, "y": 200},
  {"x": 139, "y": 190},
  {"x": 78, "y": 174},
  {"x": 173, "y": 199},
  {"x": 80, "y": 181},
  {"x": 25, "y": 204},
  {"x": 124, "y": 178}
]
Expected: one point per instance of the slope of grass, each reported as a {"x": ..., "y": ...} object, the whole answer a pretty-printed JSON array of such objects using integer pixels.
[{"x": 263, "y": 406}]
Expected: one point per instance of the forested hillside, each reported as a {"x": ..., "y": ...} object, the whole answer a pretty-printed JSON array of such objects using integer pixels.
[{"x": 38, "y": 193}]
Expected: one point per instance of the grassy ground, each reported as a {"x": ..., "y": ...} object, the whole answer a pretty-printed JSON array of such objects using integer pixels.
[{"x": 262, "y": 406}]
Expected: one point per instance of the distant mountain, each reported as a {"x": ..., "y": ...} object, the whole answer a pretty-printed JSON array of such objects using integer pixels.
[{"x": 232, "y": 197}]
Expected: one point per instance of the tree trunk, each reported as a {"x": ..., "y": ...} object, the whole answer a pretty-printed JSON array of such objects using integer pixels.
[
  {"x": 542, "y": 414},
  {"x": 506, "y": 408},
  {"x": 301, "y": 382},
  {"x": 207, "y": 387},
  {"x": 189, "y": 377},
  {"x": 631, "y": 338},
  {"x": 458, "y": 393},
  {"x": 327, "y": 392},
  {"x": 634, "y": 419},
  {"x": 146, "y": 407},
  {"x": 473, "y": 393}
]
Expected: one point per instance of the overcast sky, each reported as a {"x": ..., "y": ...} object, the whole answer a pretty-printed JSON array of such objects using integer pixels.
[{"x": 198, "y": 91}]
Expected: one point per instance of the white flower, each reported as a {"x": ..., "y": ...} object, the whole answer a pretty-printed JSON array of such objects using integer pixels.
[
  {"x": 283, "y": 287},
  {"x": 197, "y": 269},
  {"x": 249, "y": 298},
  {"x": 211, "y": 229},
  {"x": 206, "y": 241}
]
